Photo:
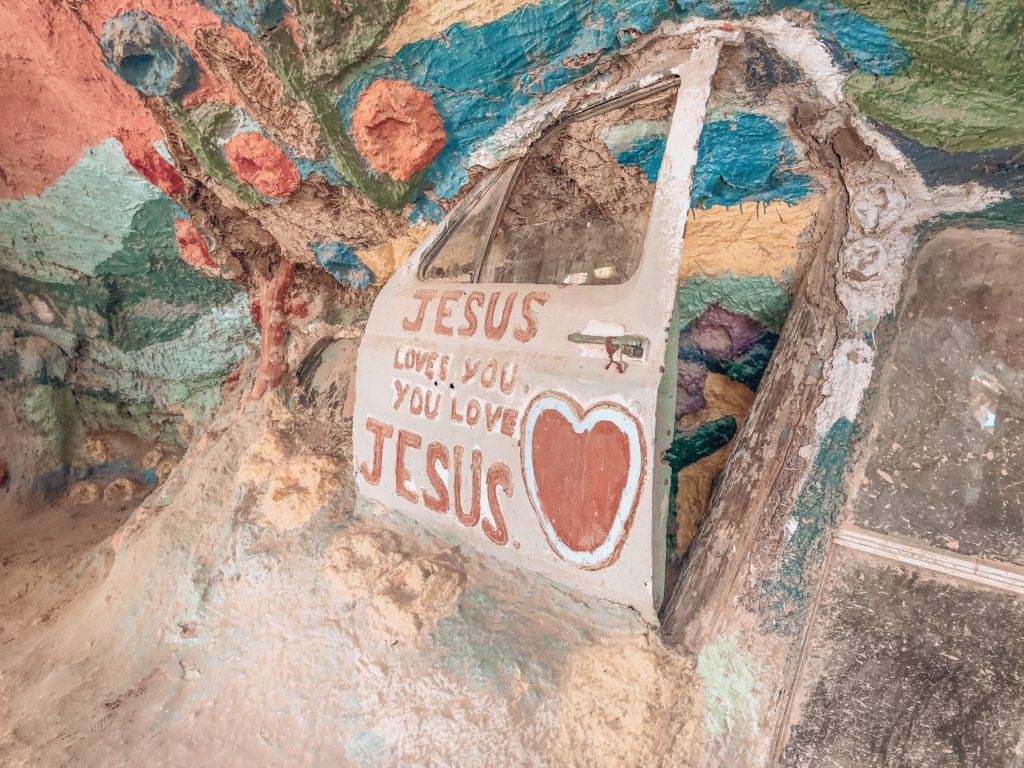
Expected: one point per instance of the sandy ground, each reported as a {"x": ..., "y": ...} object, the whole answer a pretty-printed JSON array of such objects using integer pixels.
[{"x": 246, "y": 614}]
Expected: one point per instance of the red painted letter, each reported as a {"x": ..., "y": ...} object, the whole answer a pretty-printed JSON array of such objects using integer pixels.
[
  {"x": 444, "y": 312},
  {"x": 492, "y": 330},
  {"x": 436, "y": 454},
  {"x": 470, "y": 519},
  {"x": 527, "y": 333},
  {"x": 411, "y": 440},
  {"x": 424, "y": 296},
  {"x": 470, "y": 327},
  {"x": 381, "y": 432},
  {"x": 498, "y": 474}
]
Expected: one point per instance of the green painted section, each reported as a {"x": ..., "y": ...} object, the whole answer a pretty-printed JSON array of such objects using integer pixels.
[
  {"x": 145, "y": 324},
  {"x": 336, "y": 39},
  {"x": 52, "y": 408},
  {"x": 489, "y": 648},
  {"x": 176, "y": 370},
  {"x": 154, "y": 295},
  {"x": 10, "y": 367},
  {"x": 147, "y": 331},
  {"x": 77, "y": 307},
  {"x": 202, "y": 142},
  {"x": 78, "y": 222},
  {"x": 1006, "y": 214},
  {"x": 286, "y": 60},
  {"x": 728, "y": 679},
  {"x": 963, "y": 89},
  {"x": 761, "y": 298},
  {"x": 107, "y": 411},
  {"x": 816, "y": 513},
  {"x": 688, "y": 448}
]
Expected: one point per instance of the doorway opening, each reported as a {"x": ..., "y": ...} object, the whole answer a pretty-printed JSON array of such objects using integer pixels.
[{"x": 756, "y": 193}]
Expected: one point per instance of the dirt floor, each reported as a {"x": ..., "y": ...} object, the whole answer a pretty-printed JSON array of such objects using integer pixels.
[{"x": 244, "y": 614}]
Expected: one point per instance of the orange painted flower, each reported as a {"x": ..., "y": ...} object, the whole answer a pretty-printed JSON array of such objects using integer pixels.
[
  {"x": 397, "y": 128},
  {"x": 258, "y": 161}
]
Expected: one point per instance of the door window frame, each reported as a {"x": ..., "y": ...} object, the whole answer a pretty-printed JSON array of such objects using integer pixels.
[{"x": 663, "y": 81}]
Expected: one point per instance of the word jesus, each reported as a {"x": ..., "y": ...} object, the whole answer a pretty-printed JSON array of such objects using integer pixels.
[
  {"x": 445, "y": 473},
  {"x": 458, "y": 313}
]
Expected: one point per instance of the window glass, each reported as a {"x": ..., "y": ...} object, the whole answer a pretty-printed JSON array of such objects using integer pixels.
[
  {"x": 459, "y": 256},
  {"x": 579, "y": 205},
  {"x": 579, "y": 208}
]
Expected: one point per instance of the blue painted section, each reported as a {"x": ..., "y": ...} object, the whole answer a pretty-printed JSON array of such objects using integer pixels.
[
  {"x": 342, "y": 262},
  {"x": 744, "y": 159},
  {"x": 252, "y": 16},
  {"x": 481, "y": 77},
  {"x": 147, "y": 57},
  {"x": 306, "y": 166},
  {"x": 56, "y": 481},
  {"x": 425, "y": 211},
  {"x": 640, "y": 143},
  {"x": 862, "y": 44}
]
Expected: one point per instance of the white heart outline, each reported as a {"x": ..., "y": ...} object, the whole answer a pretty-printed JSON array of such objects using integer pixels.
[{"x": 583, "y": 420}]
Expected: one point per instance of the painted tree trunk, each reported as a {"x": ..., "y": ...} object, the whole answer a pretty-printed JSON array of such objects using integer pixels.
[
  {"x": 744, "y": 525},
  {"x": 273, "y": 330}
]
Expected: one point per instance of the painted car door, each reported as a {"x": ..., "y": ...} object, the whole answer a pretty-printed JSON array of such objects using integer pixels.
[{"x": 528, "y": 418}]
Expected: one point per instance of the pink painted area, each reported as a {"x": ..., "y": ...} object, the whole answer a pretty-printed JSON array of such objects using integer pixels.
[
  {"x": 193, "y": 247},
  {"x": 397, "y": 128},
  {"x": 210, "y": 89},
  {"x": 258, "y": 161},
  {"x": 58, "y": 97},
  {"x": 292, "y": 26},
  {"x": 273, "y": 330},
  {"x": 151, "y": 164},
  {"x": 295, "y": 306}
]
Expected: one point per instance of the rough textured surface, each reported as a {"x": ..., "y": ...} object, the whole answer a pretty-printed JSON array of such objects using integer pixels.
[
  {"x": 961, "y": 89},
  {"x": 907, "y": 670},
  {"x": 750, "y": 240},
  {"x": 335, "y": 638},
  {"x": 397, "y": 128},
  {"x": 946, "y": 422},
  {"x": 137, "y": 264}
]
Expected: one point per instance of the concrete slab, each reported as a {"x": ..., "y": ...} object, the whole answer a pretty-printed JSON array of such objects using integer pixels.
[
  {"x": 945, "y": 430},
  {"x": 907, "y": 670}
]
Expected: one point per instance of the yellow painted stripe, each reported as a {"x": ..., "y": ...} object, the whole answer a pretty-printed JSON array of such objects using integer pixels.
[{"x": 757, "y": 240}]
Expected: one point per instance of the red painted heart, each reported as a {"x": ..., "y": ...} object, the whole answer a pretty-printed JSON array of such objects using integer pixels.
[{"x": 583, "y": 472}]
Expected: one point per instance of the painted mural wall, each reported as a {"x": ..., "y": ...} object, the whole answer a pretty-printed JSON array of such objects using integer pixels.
[
  {"x": 190, "y": 191},
  {"x": 183, "y": 182}
]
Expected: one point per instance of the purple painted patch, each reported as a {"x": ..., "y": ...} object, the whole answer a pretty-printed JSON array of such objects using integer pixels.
[
  {"x": 724, "y": 334},
  {"x": 690, "y": 380}
]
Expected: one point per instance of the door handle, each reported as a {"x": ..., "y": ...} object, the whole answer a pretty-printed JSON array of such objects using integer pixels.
[{"x": 630, "y": 344}]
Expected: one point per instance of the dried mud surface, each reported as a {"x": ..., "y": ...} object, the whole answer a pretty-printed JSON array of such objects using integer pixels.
[{"x": 246, "y": 613}]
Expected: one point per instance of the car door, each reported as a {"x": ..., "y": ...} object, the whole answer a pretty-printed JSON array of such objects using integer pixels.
[{"x": 512, "y": 386}]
